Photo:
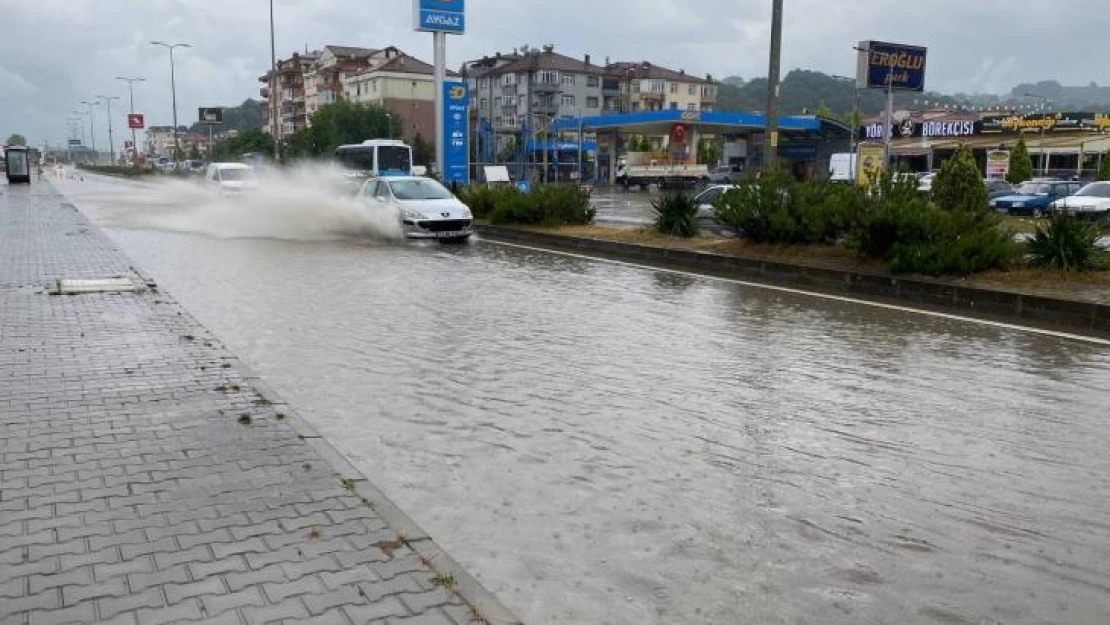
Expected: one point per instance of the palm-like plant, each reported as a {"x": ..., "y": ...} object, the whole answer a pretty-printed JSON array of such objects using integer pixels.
[
  {"x": 676, "y": 215},
  {"x": 1065, "y": 243}
]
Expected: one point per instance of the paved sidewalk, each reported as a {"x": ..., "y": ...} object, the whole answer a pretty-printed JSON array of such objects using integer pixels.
[{"x": 147, "y": 477}]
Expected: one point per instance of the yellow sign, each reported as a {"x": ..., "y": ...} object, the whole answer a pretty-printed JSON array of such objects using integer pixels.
[
  {"x": 457, "y": 93},
  {"x": 775, "y": 139},
  {"x": 1102, "y": 121},
  {"x": 869, "y": 164}
]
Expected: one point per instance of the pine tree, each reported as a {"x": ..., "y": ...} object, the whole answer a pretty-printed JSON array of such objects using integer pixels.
[
  {"x": 1104, "y": 168},
  {"x": 1021, "y": 166},
  {"x": 959, "y": 185}
]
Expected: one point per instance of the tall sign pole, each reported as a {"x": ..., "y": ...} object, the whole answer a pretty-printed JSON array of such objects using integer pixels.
[
  {"x": 771, "y": 125},
  {"x": 892, "y": 67},
  {"x": 440, "y": 17}
]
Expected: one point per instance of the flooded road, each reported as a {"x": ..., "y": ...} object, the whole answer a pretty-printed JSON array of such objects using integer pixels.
[{"x": 601, "y": 443}]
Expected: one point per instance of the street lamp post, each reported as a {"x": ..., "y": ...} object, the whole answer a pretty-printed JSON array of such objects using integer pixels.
[
  {"x": 131, "y": 102},
  {"x": 111, "y": 140},
  {"x": 92, "y": 128},
  {"x": 173, "y": 88},
  {"x": 1044, "y": 157},
  {"x": 273, "y": 88}
]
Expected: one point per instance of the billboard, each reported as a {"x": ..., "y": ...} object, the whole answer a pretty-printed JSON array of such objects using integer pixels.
[
  {"x": 998, "y": 164},
  {"x": 439, "y": 16},
  {"x": 136, "y": 121},
  {"x": 929, "y": 129},
  {"x": 882, "y": 64},
  {"x": 1048, "y": 122},
  {"x": 210, "y": 115},
  {"x": 869, "y": 164},
  {"x": 456, "y": 150}
]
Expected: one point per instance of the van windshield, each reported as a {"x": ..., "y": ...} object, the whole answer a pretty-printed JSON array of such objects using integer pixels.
[{"x": 236, "y": 175}]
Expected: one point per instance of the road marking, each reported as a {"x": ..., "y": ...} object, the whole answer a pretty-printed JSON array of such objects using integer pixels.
[{"x": 826, "y": 296}]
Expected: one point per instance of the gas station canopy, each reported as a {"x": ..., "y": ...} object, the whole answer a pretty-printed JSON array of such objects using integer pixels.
[{"x": 705, "y": 122}]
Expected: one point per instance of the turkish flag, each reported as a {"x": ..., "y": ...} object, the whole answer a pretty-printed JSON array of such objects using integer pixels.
[{"x": 136, "y": 121}]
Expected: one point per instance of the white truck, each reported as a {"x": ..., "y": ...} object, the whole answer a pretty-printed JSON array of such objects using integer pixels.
[{"x": 662, "y": 176}]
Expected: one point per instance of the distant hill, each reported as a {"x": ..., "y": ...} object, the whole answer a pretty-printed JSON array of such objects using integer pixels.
[
  {"x": 246, "y": 116},
  {"x": 1091, "y": 97}
]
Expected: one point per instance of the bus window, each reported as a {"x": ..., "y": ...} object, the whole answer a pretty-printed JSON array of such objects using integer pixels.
[{"x": 395, "y": 159}]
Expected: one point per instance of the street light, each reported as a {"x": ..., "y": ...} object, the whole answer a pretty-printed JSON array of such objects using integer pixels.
[
  {"x": 92, "y": 128},
  {"x": 131, "y": 101},
  {"x": 111, "y": 141},
  {"x": 1044, "y": 157},
  {"x": 855, "y": 122},
  {"x": 173, "y": 87}
]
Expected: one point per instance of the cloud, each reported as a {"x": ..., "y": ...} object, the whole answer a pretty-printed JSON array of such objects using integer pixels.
[{"x": 72, "y": 49}]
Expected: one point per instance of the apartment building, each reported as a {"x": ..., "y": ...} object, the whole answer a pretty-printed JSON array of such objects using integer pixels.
[
  {"x": 288, "y": 86},
  {"x": 533, "y": 86},
  {"x": 324, "y": 81},
  {"x": 402, "y": 84},
  {"x": 644, "y": 86}
]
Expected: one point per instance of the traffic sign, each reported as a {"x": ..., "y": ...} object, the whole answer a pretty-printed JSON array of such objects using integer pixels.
[{"x": 136, "y": 121}]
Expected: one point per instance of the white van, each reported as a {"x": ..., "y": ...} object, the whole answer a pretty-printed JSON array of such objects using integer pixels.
[
  {"x": 229, "y": 178},
  {"x": 842, "y": 167}
]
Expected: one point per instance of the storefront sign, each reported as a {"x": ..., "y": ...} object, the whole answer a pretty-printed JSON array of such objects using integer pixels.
[
  {"x": 894, "y": 65},
  {"x": 929, "y": 129},
  {"x": 1101, "y": 121},
  {"x": 998, "y": 164},
  {"x": 869, "y": 164},
  {"x": 1036, "y": 122},
  {"x": 444, "y": 16}
]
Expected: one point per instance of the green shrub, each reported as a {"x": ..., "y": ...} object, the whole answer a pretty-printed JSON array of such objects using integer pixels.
[
  {"x": 1104, "y": 167},
  {"x": 774, "y": 209},
  {"x": 676, "y": 215},
  {"x": 1021, "y": 166},
  {"x": 1065, "y": 243},
  {"x": 482, "y": 200},
  {"x": 959, "y": 184},
  {"x": 545, "y": 205}
]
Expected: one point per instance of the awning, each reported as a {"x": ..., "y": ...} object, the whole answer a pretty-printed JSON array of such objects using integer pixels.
[{"x": 707, "y": 122}]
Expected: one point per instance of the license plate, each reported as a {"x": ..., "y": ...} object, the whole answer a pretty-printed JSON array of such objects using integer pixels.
[{"x": 450, "y": 234}]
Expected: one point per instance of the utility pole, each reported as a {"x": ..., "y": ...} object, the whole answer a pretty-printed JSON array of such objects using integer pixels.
[
  {"x": 173, "y": 87},
  {"x": 273, "y": 88},
  {"x": 771, "y": 135},
  {"x": 111, "y": 140},
  {"x": 853, "y": 121},
  {"x": 131, "y": 102}
]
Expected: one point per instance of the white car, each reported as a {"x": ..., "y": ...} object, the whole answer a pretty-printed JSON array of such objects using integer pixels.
[
  {"x": 1090, "y": 202},
  {"x": 706, "y": 198},
  {"x": 230, "y": 178},
  {"x": 425, "y": 208}
]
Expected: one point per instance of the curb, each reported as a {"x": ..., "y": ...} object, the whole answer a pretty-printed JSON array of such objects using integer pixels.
[
  {"x": 1087, "y": 318},
  {"x": 484, "y": 602}
]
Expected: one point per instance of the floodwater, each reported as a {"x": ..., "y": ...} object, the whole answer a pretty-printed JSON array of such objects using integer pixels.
[{"x": 602, "y": 443}]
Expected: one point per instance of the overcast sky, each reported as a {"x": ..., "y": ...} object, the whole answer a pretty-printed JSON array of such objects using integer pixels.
[{"x": 55, "y": 53}]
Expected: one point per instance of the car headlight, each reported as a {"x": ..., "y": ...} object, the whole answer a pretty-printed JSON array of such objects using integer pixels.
[
  {"x": 1018, "y": 205},
  {"x": 466, "y": 213},
  {"x": 412, "y": 215}
]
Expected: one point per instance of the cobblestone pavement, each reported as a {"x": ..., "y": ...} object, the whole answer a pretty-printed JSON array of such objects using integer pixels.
[{"x": 146, "y": 477}]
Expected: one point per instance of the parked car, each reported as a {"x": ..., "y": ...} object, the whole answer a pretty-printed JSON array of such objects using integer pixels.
[
  {"x": 723, "y": 174},
  {"x": 998, "y": 188},
  {"x": 706, "y": 198},
  {"x": 1034, "y": 197},
  {"x": 425, "y": 208},
  {"x": 230, "y": 178},
  {"x": 1091, "y": 202}
]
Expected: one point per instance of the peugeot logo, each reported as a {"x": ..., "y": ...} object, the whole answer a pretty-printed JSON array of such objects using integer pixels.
[{"x": 446, "y": 214}]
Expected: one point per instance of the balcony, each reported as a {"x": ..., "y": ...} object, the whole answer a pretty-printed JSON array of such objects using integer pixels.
[
  {"x": 546, "y": 87},
  {"x": 545, "y": 108},
  {"x": 610, "y": 87},
  {"x": 264, "y": 92}
]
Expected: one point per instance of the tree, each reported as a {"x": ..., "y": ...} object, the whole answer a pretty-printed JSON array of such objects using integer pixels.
[
  {"x": 340, "y": 123},
  {"x": 194, "y": 152},
  {"x": 17, "y": 139},
  {"x": 248, "y": 141},
  {"x": 1021, "y": 166},
  {"x": 959, "y": 184},
  {"x": 823, "y": 110},
  {"x": 423, "y": 152},
  {"x": 1104, "y": 167},
  {"x": 709, "y": 151}
]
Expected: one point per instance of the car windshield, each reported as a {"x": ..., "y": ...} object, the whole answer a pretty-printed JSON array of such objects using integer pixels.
[
  {"x": 1096, "y": 190},
  {"x": 236, "y": 175},
  {"x": 419, "y": 189},
  {"x": 1033, "y": 188}
]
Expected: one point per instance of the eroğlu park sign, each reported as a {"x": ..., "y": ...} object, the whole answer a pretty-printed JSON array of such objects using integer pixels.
[{"x": 895, "y": 66}]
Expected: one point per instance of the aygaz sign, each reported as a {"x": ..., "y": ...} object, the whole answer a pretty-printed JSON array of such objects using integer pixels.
[{"x": 898, "y": 66}]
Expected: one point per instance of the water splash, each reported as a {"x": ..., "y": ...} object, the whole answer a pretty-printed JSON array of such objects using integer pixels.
[{"x": 302, "y": 203}]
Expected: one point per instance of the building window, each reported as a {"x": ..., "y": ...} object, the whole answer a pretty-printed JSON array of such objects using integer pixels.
[
  {"x": 568, "y": 79},
  {"x": 693, "y": 90},
  {"x": 483, "y": 83},
  {"x": 567, "y": 100},
  {"x": 593, "y": 81},
  {"x": 674, "y": 105},
  {"x": 483, "y": 103},
  {"x": 510, "y": 120},
  {"x": 497, "y": 102},
  {"x": 508, "y": 80},
  {"x": 549, "y": 77},
  {"x": 674, "y": 87},
  {"x": 636, "y": 106},
  {"x": 692, "y": 106},
  {"x": 510, "y": 100},
  {"x": 497, "y": 121},
  {"x": 635, "y": 86},
  {"x": 591, "y": 102}
]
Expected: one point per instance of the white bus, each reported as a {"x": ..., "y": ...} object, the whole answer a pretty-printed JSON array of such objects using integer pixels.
[{"x": 376, "y": 157}]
